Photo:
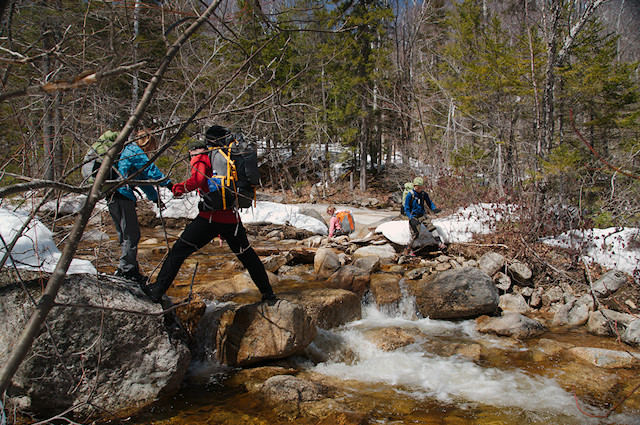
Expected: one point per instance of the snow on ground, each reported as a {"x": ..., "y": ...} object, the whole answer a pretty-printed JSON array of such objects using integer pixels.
[
  {"x": 613, "y": 248},
  {"x": 35, "y": 249}
]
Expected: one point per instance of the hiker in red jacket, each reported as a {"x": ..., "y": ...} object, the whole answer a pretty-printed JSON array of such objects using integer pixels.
[{"x": 208, "y": 224}]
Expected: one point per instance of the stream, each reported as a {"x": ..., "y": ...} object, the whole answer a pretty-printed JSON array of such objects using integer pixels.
[{"x": 443, "y": 372}]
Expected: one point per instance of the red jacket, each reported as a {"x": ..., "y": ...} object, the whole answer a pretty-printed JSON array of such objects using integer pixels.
[{"x": 200, "y": 170}]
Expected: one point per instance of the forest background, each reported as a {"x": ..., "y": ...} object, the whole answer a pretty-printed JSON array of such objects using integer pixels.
[{"x": 525, "y": 101}]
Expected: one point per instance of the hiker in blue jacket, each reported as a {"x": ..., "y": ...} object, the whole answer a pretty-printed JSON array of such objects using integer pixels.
[
  {"x": 414, "y": 208},
  {"x": 122, "y": 204}
]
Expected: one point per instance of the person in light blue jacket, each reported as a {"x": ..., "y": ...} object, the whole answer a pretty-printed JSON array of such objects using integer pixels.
[
  {"x": 414, "y": 209},
  {"x": 122, "y": 204}
]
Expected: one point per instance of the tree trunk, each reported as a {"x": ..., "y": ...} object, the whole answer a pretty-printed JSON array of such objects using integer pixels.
[{"x": 46, "y": 302}]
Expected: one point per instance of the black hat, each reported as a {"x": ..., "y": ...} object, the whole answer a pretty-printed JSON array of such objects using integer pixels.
[{"x": 216, "y": 135}]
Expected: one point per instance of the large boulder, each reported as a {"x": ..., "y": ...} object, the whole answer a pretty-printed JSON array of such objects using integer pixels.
[
  {"x": 461, "y": 293},
  {"x": 117, "y": 356},
  {"x": 253, "y": 333},
  {"x": 351, "y": 278},
  {"x": 329, "y": 307}
]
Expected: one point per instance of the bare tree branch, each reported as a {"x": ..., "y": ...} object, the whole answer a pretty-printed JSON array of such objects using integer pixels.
[
  {"x": 80, "y": 81},
  {"x": 47, "y": 300}
]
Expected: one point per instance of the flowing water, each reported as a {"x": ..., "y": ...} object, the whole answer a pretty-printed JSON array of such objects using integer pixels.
[
  {"x": 421, "y": 382},
  {"x": 443, "y": 372}
]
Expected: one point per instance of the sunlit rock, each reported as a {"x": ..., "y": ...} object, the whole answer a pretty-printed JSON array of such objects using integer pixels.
[
  {"x": 456, "y": 294},
  {"x": 511, "y": 324},
  {"x": 383, "y": 252},
  {"x": 351, "y": 278},
  {"x": 571, "y": 314},
  {"x": 491, "y": 263},
  {"x": 520, "y": 272},
  {"x": 514, "y": 303},
  {"x": 632, "y": 334},
  {"x": 608, "y": 359},
  {"x": 609, "y": 283},
  {"x": 369, "y": 264},
  {"x": 256, "y": 332},
  {"x": 326, "y": 262},
  {"x": 329, "y": 307},
  {"x": 385, "y": 288},
  {"x": 92, "y": 359}
]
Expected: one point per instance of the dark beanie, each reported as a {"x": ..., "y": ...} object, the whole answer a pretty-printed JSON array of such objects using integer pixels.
[{"x": 216, "y": 135}]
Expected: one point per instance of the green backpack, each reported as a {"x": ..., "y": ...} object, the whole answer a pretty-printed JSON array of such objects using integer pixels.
[
  {"x": 94, "y": 155},
  {"x": 408, "y": 187}
]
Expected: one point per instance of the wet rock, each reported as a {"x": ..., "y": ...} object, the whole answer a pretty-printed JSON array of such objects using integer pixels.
[
  {"x": 385, "y": 252},
  {"x": 608, "y": 359},
  {"x": 351, "y": 278},
  {"x": 292, "y": 397},
  {"x": 326, "y": 262},
  {"x": 368, "y": 264},
  {"x": 632, "y": 334},
  {"x": 253, "y": 378},
  {"x": 491, "y": 263},
  {"x": 286, "y": 388},
  {"x": 256, "y": 332},
  {"x": 520, "y": 272},
  {"x": 547, "y": 348},
  {"x": 511, "y": 324},
  {"x": 115, "y": 360},
  {"x": 385, "y": 288},
  {"x": 513, "y": 302},
  {"x": 389, "y": 339},
  {"x": 456, "y": 294},
  {"x": 328, "y": 307},
  {"x": 190, "y": 315},
  {"x": 588, "y": 381}
]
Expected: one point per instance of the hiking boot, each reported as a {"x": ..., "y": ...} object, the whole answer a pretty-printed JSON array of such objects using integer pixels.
[
  {"x": 149, "y": 292},
  {"x": 269, "y": 299},
  {"x": 137, "y": 277}
]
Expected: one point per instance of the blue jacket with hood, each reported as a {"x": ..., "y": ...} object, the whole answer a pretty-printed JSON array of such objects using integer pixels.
[
  {"x": 133, "y": 158},
  {"x": 414, "y": 204}
]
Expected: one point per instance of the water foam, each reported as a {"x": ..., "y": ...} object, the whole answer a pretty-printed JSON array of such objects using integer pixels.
[{"x": 421, "y": 374}]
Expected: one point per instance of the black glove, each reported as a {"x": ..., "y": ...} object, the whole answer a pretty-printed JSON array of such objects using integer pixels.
[
  {"x": 436, "y": 210},
  {"x": 170, "y": 186}
]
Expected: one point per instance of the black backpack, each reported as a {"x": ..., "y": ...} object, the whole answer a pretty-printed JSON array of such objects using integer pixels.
[{"x": 235, "y": 175}]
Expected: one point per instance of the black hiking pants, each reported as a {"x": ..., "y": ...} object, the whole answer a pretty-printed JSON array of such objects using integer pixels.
[{"x": 197, "y": 234}]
